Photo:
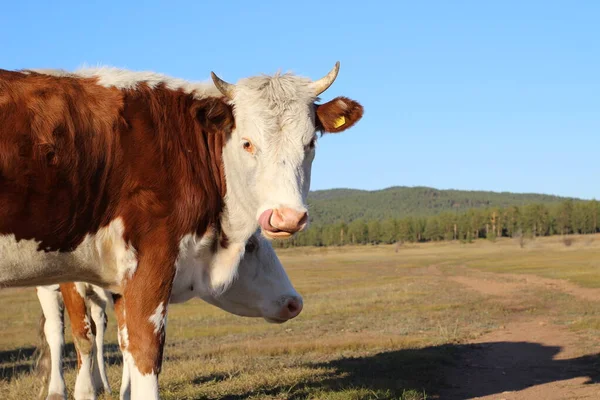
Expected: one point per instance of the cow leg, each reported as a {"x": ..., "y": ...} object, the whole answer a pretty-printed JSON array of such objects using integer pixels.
[
  {"x": 52, "y": 307},
  {"x": 146, "y": 298},
  {"x": 83, "y": 338},
  {"x": 125, "y": 391},
  {"x": 98, "y": 301}
]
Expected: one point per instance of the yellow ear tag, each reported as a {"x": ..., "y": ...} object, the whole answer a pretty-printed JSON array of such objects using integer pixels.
[{"x": 339, "y": 122}]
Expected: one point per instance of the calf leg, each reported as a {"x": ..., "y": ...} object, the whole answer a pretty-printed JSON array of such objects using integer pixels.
[
  {"x": 83, "y": 338},
  {"x": 52, "y": 307},
  {"x": 97, "y": 304}
]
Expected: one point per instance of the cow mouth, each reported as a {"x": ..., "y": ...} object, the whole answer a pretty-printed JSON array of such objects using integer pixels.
[{"x": 269, "y": 230}]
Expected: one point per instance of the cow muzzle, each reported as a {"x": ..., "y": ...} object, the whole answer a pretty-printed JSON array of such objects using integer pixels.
[
  {"x": 291, "y": 308},
  {"x": 282, "y": 223}
]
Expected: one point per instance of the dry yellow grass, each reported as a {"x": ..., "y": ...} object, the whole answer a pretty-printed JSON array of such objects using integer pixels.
[{"x": 376, "y": 324}]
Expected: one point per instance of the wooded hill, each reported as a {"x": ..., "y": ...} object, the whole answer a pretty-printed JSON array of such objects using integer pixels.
[
  {"x": 345, "y": 205},
  {"x": 342, "y": 217}
]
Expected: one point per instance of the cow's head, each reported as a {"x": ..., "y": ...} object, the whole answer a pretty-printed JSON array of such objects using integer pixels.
[
  {"x": 268, "y": 157},
  {"x": 261, "y": 287}
]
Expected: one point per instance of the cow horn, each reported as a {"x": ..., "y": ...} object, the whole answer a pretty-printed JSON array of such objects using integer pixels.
[
  {"x": 323, "y": 84},
  {"x": 224, "y": 87}
]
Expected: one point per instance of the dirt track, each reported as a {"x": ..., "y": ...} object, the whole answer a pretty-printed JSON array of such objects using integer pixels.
[{"x": 528, "y": 359}]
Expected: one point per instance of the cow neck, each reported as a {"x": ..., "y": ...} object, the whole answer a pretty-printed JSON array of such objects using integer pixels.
[{"x": 176, "y": 157}]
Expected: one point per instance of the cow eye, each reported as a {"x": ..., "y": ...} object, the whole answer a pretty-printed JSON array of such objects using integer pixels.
[
  {"x": 311, "y": 145},
  {"x": 248, "y": 146}
]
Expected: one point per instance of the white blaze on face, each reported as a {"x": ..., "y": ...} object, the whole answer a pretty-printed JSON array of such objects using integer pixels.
[{"x": 269, "y": 156}]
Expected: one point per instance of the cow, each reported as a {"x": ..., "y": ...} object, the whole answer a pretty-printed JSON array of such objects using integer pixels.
[
  {"x": 105, "y": 173},
  {"x": 261, "y": 289}
]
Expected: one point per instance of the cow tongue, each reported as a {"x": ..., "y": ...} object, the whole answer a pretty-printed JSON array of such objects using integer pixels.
[{"x": 265, "y": 221}]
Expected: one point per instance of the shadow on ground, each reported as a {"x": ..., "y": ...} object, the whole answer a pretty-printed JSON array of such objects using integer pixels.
[
  {"x": 446, "y": 372},
  {"x": 20, "y": 361}
]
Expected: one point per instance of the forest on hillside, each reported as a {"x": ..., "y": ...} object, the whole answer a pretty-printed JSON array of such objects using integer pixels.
[
  {"x": 345, "y": 205},
  {"x": 531, "y": 220}
]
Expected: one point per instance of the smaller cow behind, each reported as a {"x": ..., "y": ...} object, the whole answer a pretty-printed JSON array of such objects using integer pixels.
[{"x": 261, "y": 289}]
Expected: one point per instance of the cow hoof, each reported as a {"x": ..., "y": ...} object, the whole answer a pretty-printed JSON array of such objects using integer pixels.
[
  {"x": 56, "y": 396},
  {"x": 85, "y": 396}
]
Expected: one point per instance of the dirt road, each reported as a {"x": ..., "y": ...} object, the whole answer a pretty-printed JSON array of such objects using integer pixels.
[{"x": 529, "y": 358}]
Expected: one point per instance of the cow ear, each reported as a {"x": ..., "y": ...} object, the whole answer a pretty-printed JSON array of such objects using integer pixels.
[
  {"x": 338, "y": 114},
  {"x": 214, "y": 115}
]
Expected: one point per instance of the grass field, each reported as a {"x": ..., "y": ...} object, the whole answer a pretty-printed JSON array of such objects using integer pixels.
[{"x": 449, "y": 321}]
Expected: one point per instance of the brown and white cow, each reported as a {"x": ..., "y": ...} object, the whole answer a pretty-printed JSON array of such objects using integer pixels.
[
  {"x": 104, "y": 173},
  {"x": 261, "y": 289}
]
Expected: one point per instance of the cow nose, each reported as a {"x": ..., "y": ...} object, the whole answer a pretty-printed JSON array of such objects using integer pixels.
[
  {"x": 289, "y": 220},
  {"x": 291, "y": 308}
]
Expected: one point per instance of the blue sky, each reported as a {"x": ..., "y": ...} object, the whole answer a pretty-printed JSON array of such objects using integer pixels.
[{"x": 463, "y": 94}]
